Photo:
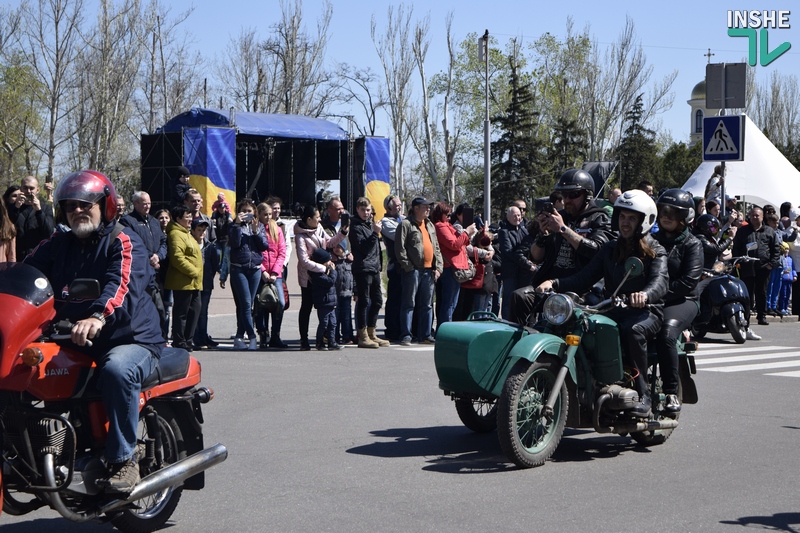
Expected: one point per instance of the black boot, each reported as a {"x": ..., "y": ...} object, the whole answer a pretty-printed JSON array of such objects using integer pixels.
[
  {"x": 304, "y": 345},
  {"x": 275, "y": 341},
  {"x": 642, "y": 409},
  {"x": 263, "y": 339}
]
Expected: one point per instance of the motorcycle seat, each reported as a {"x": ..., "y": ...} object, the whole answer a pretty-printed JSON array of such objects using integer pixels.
[{"x": 173, "y": 364}]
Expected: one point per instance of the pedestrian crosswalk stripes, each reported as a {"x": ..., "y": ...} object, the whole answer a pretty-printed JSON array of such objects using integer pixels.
[{"x": 748, "y": 359}]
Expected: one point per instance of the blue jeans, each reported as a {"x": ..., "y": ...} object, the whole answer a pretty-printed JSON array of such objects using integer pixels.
[
  {"x": 262, "y": 317},
  {"x": 327, "y": 324},
  {"x": 450, "y": 290},
  {"x": 122, "y": 371},
  {"x": 244, "y": 284},
  {"x": 344, "y": 319},
  {"x": 417, "y": 293}
]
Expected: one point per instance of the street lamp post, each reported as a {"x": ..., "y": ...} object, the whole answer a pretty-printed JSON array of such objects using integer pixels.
[{"x": 483, "y": 55}]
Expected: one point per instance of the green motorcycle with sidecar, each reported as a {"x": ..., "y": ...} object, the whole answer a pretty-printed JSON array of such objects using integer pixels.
[{"x": 567, "y": 371}]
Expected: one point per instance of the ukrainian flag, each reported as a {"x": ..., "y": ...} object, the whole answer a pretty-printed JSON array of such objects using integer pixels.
[
  {"x": 210, "y": 154},
  {"x": 377, "y": 177}
]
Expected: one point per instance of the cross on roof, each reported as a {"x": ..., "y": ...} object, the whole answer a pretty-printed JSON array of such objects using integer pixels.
[{"x": 708, "y": 55}]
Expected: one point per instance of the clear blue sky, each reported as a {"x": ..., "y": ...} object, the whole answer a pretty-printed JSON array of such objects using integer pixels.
[{"x": 675, "y": 34}]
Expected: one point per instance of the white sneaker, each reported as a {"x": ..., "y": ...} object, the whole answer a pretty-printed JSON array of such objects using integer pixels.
[
  {"x": 253, "y": 344},
  {"x": 752, "y": 336},
  {"x": 238, "y": 344}
]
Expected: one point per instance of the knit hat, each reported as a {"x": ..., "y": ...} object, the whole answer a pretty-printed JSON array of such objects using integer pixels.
[
  {"x": 321, "y": 256},
  {"x": 183, "y": 171}
]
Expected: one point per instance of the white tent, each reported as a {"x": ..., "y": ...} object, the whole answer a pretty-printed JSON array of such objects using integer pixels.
[{"x": 764, "y": 177}]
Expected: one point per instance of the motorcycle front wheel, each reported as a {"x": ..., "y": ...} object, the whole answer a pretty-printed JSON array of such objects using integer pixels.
[
  {"x": 154, "y": 511},
  {"x": 527, "y": 436},
  {"x": 479, "y": 415},
  {"x": 736, "y": 325}
]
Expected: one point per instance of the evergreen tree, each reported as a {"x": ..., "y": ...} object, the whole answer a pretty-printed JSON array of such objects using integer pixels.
[
  {"x": 637, "y": 151},
  {"x": 515, "y": 154},
  {"x": 569, "y": 146},
  {"x": 678, "y": 164}
]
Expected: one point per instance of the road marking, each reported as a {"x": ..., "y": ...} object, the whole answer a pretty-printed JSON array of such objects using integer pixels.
[
  {"x": 416, "y": 348},
  {"x": 742, "y": 358},
  {"x": 790, "y": 374},
  {"x": 762, "y": 366},
  {"x": 724, "y": 349}
]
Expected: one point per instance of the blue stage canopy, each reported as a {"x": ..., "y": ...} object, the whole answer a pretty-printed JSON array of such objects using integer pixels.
[{"x": 263, "y": 124}]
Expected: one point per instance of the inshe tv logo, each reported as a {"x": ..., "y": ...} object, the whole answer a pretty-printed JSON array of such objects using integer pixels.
[{"x": 745, "y": 24}]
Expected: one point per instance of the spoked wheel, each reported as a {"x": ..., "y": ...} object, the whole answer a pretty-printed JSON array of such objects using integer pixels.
[
  {"x": 479, "y": 415},
  {"x": 528, "y": 436},
  {"x": 155, "y": 510},
  {"x": 736, "y": 325},
  {"x": 659, "y": 436}
]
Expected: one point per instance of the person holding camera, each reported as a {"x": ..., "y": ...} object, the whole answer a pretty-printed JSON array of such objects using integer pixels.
[
  {"x": 568, "y": 239},
  {"x": 247, "y": 239},
  {"x": 35, "y": 222},
  {"x": 367, "y": 265}
]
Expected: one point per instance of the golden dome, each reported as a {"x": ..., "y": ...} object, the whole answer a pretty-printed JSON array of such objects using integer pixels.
[{"x": 699, "y": 91}]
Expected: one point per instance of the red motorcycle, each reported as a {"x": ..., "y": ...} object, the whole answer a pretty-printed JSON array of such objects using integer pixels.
[{"x": 54, "y": 424}]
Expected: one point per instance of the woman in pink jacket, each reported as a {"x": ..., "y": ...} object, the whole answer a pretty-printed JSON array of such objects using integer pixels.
[
  {"x": 453, "y": 244},
  {"x": 271, "y": 272},
  {"x": 308, "y": 236}
]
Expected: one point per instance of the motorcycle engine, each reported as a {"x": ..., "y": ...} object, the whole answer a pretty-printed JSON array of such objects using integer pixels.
[{"x": 622, "y": 398}]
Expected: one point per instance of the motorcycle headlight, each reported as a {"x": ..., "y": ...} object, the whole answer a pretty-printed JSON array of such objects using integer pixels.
[{"x": 557, "y": 309}]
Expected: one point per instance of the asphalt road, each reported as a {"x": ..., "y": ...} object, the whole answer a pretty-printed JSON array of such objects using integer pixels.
[{"x": 363, "y": 440}]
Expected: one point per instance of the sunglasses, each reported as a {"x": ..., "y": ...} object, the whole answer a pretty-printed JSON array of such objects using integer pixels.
[
  {"x": 70, "y": 207},
  {"x": 573, "y": 195}
]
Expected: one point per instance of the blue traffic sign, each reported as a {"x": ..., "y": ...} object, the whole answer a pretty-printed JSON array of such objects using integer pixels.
[{"x": 723, "y": 138}]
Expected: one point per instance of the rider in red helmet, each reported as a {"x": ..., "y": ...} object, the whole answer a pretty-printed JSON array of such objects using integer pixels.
[{"x": 122, "y": 323}]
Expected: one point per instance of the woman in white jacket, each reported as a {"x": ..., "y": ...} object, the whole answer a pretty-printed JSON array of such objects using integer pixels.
[{"x": 308, "y": 236}]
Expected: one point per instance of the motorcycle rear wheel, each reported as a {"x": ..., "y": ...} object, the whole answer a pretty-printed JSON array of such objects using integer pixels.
[
  {"x": 479, "y": 415},
  {"x": 527, "y": 438},
  {"x": 737, "y": 328},
  {"x": 660, "y": 436},
  {"x": 154, "y": 511}
]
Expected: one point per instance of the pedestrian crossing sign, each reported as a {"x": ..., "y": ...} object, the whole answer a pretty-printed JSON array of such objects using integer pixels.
[{"x": 723, "y": 138}]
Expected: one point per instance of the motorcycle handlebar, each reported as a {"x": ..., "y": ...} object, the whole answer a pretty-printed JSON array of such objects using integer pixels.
[{"x": 66, "y": 337}]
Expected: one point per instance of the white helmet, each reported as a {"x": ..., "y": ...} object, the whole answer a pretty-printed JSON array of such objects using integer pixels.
[{"x": 640, "y": 202}]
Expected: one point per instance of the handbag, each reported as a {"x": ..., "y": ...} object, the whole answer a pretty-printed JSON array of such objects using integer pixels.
[
  {"x": 463, "y": 275},
  {"x": 268, "y": 297},
  {"x": 477, "y": 280}
]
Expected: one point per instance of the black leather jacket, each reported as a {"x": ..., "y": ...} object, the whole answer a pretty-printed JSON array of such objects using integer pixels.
[
  {"x": 684, "y": 264},
  {"x": 653, "y": 281},
  {"x": 712, "y": 249}
]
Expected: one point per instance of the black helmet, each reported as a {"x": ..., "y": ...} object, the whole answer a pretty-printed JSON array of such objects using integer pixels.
[
  {"x": 576, "y": 179},
  {"x": 707, "y": 224},
  {"x": 679, "y": 201}
]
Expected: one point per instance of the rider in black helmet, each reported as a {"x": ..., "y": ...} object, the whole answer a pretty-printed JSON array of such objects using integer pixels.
[
  {"x": 707, "y": 231},
  {"x": 567, "y": 239},
  {"x": 685, "y": 267}
]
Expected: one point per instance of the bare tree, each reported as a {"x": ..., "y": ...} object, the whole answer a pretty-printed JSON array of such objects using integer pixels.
[
  {"x": 362, "y": 87},
  {"x": 108, "y": 67},
  {"x": 242, "y": 71},
  {"x": 301, "y": 83},
  {"x": 169, "y": 78},
  {"x": 395, "y": 54},
  {"x": 50, "y": 42},
  {"x": 775, "y": 107}
]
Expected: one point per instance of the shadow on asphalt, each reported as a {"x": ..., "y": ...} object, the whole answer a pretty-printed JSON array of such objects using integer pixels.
[
  {"x": 457, "y": 450},
  {"x": 62, "y": 525},
  {"x": 776, "y": 522}
]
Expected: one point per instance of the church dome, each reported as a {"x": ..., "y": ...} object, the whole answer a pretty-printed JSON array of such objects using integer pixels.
[{"x": 699, "y": 91}]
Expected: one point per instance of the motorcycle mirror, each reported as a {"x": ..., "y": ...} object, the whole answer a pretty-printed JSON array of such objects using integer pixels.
[
  {"x": 84, "y": 289},
  {"x": 634, "y": 267},
  {"x": 751, "y": 246}
]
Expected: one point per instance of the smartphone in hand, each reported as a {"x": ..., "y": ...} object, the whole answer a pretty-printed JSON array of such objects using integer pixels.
[{"x": 467, "y": 217}]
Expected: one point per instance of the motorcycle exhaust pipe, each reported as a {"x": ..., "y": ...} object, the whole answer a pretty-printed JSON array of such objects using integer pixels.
[
  {"x": 635, "y": 427},
  {"x": 172, "y": 475}
]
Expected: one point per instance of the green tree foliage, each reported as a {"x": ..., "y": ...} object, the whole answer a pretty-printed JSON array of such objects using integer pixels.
[
  {"x": 678, "y": 163},
  {"x": 637, "y": 151},
  {"x": 20, "y": 118},
  {"x": 515, "y": 153}
]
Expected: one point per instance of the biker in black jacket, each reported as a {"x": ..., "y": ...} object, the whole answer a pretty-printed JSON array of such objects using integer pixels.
[
  {"x": 685, "y": 267},
  {"x": 634, "y": 215},
  {"x": 706, "y": 229}
]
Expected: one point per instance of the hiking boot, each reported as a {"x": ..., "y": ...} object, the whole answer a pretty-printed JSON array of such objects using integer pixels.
[
  {"x": 374, "y": 338},
  {"x": 752, "y": 336},
  {"x": 364, "y": 341},
  {"x": 122, "y": 477}
]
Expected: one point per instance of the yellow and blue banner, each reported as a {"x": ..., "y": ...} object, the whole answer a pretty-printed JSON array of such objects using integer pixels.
[
  {"x": 377, "y": 177},
  {"x": 210, "y": 155}
]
